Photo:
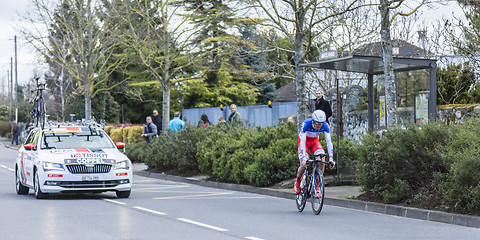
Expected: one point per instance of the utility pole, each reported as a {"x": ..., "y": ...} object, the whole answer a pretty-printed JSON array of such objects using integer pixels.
[
  {"x": 16, "y": 83},
  {"x": 9, "y": 96},
  {"x": 11, "y": 87}
]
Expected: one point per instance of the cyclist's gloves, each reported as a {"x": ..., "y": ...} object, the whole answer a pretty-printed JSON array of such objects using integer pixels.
[{"x": 332, "y": 163}]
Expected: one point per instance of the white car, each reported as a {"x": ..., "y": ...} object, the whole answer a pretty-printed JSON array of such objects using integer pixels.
[{"x": 72, "y": 159}]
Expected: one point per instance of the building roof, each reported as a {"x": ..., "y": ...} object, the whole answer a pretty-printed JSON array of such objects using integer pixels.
[{"x": 286, "y": 93}]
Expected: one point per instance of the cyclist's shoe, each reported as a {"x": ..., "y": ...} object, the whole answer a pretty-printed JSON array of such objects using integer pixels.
[
  {"x": 296, "y": 187},
  {"x": 318, "y": 194}
]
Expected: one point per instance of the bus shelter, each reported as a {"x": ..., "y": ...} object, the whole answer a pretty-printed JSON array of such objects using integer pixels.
[{"x": 415, "y": 80}]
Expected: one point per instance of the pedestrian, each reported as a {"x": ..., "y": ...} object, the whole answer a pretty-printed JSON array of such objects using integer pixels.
[
  {"x": 157, "y": 120},
  {"x": 204, "y": 121},
  {"x": 176, "y": 123},
  {"x": 221, "y": 122},
  {"x": 150, "y": 130},
  {"x": 235, "y": 119},
  {"x": 322, "y": 104},
  {"x": 15, "y": 133}
]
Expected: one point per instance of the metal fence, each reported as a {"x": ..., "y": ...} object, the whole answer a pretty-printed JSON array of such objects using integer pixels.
[{"x": 260, "y": 115}]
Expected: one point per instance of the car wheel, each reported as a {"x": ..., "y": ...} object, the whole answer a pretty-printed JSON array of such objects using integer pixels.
[
  {"x": 123, "y": 194},
  {"x": 21, "y": 190},
  {"x": 36, "y": 187}
]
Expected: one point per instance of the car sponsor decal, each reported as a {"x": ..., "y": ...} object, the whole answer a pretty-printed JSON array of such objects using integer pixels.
[
  {"x": 82, "y": 150},
  {"x": 23, "y": 170},
  {"x": 89, "y": 161},
  {"x": 96, "y": 150},
  {"x": 66, "y": 130}
]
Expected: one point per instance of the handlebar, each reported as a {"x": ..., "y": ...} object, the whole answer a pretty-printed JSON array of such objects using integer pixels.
[{"x": 320, "y": 155}]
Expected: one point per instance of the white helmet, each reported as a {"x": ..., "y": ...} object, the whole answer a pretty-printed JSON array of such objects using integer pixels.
[{"x": 319, "y": 116}]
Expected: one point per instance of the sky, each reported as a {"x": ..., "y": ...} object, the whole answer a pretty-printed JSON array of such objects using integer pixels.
[{"x": 12, "y": 10}]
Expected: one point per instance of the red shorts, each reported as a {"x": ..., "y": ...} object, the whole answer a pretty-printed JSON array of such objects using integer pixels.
[{"x": 311, "y": 145}]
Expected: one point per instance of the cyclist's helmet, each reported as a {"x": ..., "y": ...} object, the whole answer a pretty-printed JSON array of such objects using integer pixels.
[{"x": 319, "y": 116}]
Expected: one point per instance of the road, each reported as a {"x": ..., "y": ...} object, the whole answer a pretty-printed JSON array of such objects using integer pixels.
[{"x": 159, "y": 209}]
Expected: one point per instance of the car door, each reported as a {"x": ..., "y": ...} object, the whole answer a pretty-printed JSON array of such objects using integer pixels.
[{"x": 28, "y": 156}]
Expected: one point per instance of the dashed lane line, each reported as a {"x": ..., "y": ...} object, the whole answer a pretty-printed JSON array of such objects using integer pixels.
[
  {"x": 11, "y": 169},
  {"x": 113, "y": 201},
  {"x": 192, "y": 196},
  {"x": 202, "y": 224},
  {"x": 3, "y": 166},
  {"x": 149, "y": 210},
  {"x": 254, "y": 238}
]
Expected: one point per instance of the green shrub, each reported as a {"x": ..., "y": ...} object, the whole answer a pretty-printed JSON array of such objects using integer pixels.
[
  {"x": 136, "y": 152},
  {"x": 401, "y": 156},
  {"x": 175, "y": 152},
  {"x": 5, "y": 129}
]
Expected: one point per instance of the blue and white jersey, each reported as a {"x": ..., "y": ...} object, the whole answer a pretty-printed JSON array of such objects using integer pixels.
[{"x": 307, "y": 130}]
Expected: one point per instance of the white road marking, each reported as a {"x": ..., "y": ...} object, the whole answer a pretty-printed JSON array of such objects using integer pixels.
[
  {"x": 11, "y": 169},
  {"x": 254, "y": 238},
  {"x": 203, "y": 225},
  {"x": 149, "y": 210},
  {"x": 3, "y": 166},
  {"x": 191, "y": 196},
  {"x": 113, "y": 201}
]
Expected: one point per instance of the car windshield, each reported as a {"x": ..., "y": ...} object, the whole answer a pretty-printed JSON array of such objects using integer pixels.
[{"x": 81, "y": 139}]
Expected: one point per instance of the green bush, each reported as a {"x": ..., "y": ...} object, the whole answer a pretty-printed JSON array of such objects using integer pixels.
[
  {"x": 136, "y": 151},
  {"x": 175, "y": 152},
  {"x": 5, "y": 129},
  {"x": 400, "y": 156},
  {"x": 134, "y": 134}
]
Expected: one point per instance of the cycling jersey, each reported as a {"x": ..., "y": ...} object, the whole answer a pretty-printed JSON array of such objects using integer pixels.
[{"x": 307, "y": 132}]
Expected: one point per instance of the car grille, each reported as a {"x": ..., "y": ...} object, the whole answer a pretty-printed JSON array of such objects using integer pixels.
[
  {"x": 97, "y": 168},
  {"x": 92, "y": 184}
]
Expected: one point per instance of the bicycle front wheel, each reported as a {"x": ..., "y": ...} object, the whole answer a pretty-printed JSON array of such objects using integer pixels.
[
  {"x": 301, "y": 198},
  {"x": 317, "y": 191}
]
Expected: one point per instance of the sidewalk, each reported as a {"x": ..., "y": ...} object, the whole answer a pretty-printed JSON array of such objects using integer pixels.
[{"x": 340, "y": 196}]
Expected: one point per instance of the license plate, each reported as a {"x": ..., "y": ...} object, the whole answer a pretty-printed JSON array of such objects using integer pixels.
[{"x": 89, "y": 178}]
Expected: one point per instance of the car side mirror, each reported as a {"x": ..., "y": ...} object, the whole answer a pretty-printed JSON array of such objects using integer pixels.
[
  {"x": 121, "y": 145},
  {"x": 29, "y": 146}
]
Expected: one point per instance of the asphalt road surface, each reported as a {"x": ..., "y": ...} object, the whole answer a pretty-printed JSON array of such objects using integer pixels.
[{"x": 159, "y": 209}]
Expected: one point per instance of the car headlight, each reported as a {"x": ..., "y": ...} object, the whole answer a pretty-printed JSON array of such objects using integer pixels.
[
  {"x": 122, "y": 165},
  {"x": 49, "y": 166}
]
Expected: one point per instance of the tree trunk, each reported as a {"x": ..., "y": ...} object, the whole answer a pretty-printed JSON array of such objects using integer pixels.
[
  {"x": 88, "y": 101},
  {"x": 299, "y": 51},
  {"x": 166, "y": 108},
  {"x": 390, "y": 90}
]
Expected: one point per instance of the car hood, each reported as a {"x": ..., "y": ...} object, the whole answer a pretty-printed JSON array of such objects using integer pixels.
[{"x": 86, "y": 155}]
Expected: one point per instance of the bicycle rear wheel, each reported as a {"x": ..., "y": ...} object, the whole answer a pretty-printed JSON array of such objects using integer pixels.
[
  {"x": 301, "y": 198},
  {"x": 317, "y": 193}
]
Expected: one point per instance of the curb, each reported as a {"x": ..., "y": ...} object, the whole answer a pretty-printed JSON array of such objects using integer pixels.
[{"x": 400, "y": 211}]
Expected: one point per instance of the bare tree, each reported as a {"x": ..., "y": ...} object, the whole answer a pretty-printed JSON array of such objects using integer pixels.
[
  {"x": 79, "y": 33},
  {"x": 160, "y": 36},
  {"x": 302, "y": 21}
]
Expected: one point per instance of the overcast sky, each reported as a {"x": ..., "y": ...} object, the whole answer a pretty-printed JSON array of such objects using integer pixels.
[{"x": 12, "y": 10}]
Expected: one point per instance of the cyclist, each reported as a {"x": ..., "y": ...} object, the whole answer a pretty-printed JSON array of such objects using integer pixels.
[{"x": 308, "y": 139}]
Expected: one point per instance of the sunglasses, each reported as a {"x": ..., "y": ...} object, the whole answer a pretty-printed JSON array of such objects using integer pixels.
[{"x": 318, "y": 123}]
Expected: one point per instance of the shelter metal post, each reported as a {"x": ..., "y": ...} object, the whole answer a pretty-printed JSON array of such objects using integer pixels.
[
  {"x": 432, "y": 101},
  {"x": 371, "y": 102}
]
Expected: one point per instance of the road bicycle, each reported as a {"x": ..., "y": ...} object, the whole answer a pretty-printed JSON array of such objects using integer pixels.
[
  {"x": 307, "y": 189},
  {"x": 38, "y": 110}
]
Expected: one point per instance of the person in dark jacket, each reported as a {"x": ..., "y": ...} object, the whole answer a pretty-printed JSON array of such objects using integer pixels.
[
  {"x": 15, "y": 133},
  {"x": 157, "y": 120},
  {"x": 322, "y": 104},
  {"x": 150, "y": 130},
  {"x": 204, "y": 121}
]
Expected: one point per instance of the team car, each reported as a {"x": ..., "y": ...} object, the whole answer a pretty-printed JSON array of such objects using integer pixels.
[{"x": 72, "y": 159}]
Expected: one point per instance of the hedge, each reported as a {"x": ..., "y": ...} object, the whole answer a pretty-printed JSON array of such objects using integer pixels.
[{"x": 434, "y": 165}]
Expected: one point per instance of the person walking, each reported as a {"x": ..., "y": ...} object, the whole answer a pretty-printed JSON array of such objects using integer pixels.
[
  {"x": 322, "y": 104},
  {"x": 235, "y": 119},
  {"x": 176, "y": 123},
  {"x": 150, "y": 130},
  {"x": 157, "y": 120},
  {"x": 204, "y": 121},
  {"x": 15, "y": 133}
]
